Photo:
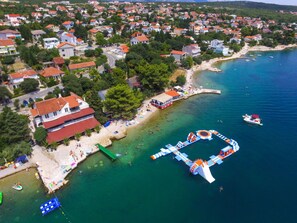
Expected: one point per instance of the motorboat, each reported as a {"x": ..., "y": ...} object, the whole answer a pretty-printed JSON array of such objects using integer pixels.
[
  {"x": 17, "y": 187},
  {"x": 252, "y": 119}
]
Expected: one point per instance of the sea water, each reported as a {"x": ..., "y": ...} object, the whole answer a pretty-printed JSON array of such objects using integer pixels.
[{"x": 259, "y": 181}]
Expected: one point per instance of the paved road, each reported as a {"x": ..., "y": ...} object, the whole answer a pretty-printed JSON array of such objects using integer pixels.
[{"x": 37, "y": 94}]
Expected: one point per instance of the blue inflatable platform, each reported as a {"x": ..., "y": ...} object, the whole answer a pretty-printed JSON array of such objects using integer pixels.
[{"x": 49, "y": 206}]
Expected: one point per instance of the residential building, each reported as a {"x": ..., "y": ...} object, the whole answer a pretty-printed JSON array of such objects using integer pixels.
[
  {"x": 63, "y": 117},
  {"x": 66, "y": 50},
  {"x": 178, "y": 55},
  {"x": 7, "y": 47},
  {"x": 9, "y": 34},
  {"x": 69, "y": 38},
  {"x": 218, "y": 47},
  {"x": 58, "y": 62},
  {"x": 162, "y": 101},
  {"x": 139, "y": 38},
  {"x": 192, "y": 50},
  {"x": 15, "y": 79},
  {"x": 68, "y": 24},
  {"x": 50, "y": 43},
  {"x": 52, "y": 72},
  {"x": 84, "y": 65},
  {"x": 36, "y": 35}
]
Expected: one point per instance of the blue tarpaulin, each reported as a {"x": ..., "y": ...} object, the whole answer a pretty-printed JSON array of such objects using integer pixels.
[
  {"x": 107, "y": 124},
  {"x": 21, "y": 159}
]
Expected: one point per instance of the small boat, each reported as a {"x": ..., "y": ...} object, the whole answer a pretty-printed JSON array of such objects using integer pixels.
[
  {"x": 252, "y": 119},
  {"x": 1, "y": 197},
  {"x": 17, "y": 187}
]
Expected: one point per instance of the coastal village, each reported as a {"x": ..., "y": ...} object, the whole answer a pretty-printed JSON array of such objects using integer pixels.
[{"x": 74, "y": 77}]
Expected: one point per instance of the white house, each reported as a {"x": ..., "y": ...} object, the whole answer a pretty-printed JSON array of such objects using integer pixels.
[
  {"x": 178, "y": 55},
  {"x": 139, "y": 38},
  {"x": 69, "y": 38},
  {"x": 15, "y": 79},
  {"x": 7, "y": 47},
  {"x": 218, "y": 47},
  {"x": 36, "y": 35},
  {"x": 192, "y": 50},
  {"x": 49, "y": 43},
  {"x": 63, "y": 117},
  {"x": 66, "y": 50}
]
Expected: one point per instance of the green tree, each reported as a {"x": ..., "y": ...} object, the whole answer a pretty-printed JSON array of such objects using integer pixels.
[
  {"x": 181, "y": 80},
  {"x": 154, "y": 77},
  {"x": 187, "y": 62},
  {"x": 118, "y": 76},
  {"x": 25, "y": 32},
  {"x": 29, "y": 85},
  {"x": 122, "y": 101},
  {"x": 16, "y": 104},
  {"x": 94, "y": 101},
  {"x": 5, "y": 94},
  {"x": 71, "y": 83},
  {"x": 81, "y": 32},
  {"x": 13, "y": 127},
  {"x": 8, "y": 60},
  {"x": 40, "y": 135},
  {"x": 100, "y": 40}
]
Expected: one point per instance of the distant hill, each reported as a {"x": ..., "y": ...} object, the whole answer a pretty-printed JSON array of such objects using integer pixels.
[{"x": 251, "y": 5}]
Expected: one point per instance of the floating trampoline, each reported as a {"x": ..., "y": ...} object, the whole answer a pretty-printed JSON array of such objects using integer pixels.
[
  {"x": 49, "y": 206},
  {"x": 203, "y": 134}
]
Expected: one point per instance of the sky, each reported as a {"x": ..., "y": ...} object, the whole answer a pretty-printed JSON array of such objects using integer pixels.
[{"x": 280, "y": 2}]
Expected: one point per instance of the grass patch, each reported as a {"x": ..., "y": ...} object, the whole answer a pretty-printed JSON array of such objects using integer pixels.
[{"x": 177, "y": 73}]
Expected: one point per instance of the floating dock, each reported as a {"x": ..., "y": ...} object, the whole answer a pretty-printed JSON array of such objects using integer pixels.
[
  {"x": 49, "y": 206},
  {"x": 107, "y": 152},
  {"x": 199, "y": 166}
]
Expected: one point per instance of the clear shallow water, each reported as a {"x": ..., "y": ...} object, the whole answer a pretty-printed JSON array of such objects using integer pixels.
[{"x": 259, "y": 181}]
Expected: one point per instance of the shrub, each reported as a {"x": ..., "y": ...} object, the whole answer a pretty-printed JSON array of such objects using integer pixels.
[
  {"x": 77, "y": 136},
  {"x": 88, "y": 132},
  {"x": 97, "y": 128},
  {"x": 40, "y": 135},
  {"x": 66, "y": 141}
]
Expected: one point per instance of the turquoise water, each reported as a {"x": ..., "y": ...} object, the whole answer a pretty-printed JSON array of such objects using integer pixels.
[{"x": 259, "y": 181}]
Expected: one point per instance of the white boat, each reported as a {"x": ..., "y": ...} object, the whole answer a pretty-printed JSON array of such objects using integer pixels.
[
  {"x": 252, "y": 119},
  {"x": 17, "y": 187}
]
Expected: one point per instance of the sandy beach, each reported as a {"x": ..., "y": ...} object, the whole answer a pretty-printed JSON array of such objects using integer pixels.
[{"x": 54, "y": 166}]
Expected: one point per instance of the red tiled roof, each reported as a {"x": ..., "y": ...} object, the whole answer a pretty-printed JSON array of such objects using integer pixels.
[
  {"x": 66, "y": 23},
  {"x": 71, "y": 130},
  {"x": 82, "y": 65},
  {"x": 49, "y": 106},
  {"x": 177, "y": 52},
  {"x": 172, "y": 93},
  {"x": 22, "y": 74},
  {"x": 124, "y": 48},
  {"x": 60, "y": 121},
  {"x": 58, "y": 60},
  {"x": 6, "y": 42},
  {"x": 65, "y": 43},
  {"x": 9, "y": 31},
  {"x": 51, "y": 72},
  {"x": 14, "y": 15},
  {"x": 142, "y": 38}
]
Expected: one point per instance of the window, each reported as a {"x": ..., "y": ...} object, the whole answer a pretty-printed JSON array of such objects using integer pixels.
[
  {"x": 62, "y": 50},
  {"x": 63, "y": 55},
  {"x": 55, "y": 113},
  {"x": 46, "y": 116},
  {"x": 66, "y": 109}
]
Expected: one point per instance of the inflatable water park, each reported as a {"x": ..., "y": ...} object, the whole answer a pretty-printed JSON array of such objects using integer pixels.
[{"x": 200, "y": 166}]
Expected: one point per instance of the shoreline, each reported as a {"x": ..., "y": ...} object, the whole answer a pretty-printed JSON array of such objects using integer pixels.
[{"x": 51, "y": 166}]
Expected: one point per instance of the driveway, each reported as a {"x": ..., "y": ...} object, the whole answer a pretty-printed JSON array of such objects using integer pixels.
[{"x": 36, "y": 94}]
